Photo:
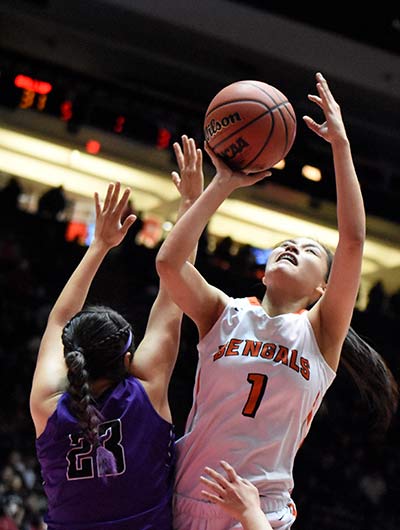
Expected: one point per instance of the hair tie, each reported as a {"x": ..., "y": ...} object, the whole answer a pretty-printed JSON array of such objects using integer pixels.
[{"x": 127, "y": 343}]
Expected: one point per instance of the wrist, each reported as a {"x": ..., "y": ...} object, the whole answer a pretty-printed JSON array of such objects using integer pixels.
[
  {"x": 99, "y": 246},
  {"x": 253, "y": 518},
  {"x": 188, "y": 201},
  {"x": 223, "y": 185}
]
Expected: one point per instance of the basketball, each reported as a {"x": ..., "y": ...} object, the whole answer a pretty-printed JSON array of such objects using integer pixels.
[{"x": 251, "y": 125}]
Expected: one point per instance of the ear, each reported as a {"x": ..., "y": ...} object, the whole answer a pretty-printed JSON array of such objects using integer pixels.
[
  {"x": 321, "y": 289},
  {"x": 128, "y": 360}
]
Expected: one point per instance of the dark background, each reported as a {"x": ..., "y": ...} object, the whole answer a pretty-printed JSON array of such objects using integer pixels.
[{"x": 159, "y": 64}]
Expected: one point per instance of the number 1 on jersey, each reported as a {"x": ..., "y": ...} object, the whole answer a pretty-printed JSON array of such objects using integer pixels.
[{"x": 258, "y": 385}]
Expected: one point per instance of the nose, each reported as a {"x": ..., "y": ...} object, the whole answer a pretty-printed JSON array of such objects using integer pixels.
[{"x": 292, "y": 248}]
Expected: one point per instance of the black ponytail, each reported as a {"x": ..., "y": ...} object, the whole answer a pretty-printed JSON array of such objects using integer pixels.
[
  {"x": 373, "y": 378},
  {"x": 95, "y": 341}
]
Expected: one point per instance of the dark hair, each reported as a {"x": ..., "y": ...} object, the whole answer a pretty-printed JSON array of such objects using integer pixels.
[
  {"x": 94, "y": 341},
  {"x": 370, "y": 373}
]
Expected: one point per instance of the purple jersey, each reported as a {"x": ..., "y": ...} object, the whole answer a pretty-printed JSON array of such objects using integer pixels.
[{"x": 138, "y": 495}]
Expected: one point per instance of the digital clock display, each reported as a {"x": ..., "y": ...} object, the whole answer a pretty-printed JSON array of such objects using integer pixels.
[{"x": 81, "y": 102}]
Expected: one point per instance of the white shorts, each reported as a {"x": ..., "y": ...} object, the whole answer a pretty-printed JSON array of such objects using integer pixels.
[{"x": 192, "y": 514}]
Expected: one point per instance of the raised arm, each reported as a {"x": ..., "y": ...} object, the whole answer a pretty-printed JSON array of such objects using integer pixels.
[
  {"x": 331, "y": 317},
  {"x": 50, "y": 372},
  {"x": 202, "y": 302},
  {"x": 156, "y": 355}
]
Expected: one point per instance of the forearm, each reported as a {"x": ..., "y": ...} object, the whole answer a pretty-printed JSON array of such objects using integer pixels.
[
  {"x": 350, "y": 205},
  {"x": 74, "y": 293},
  {"x": 184, "y": 206},
  {"x": 255, "y": 520},
  {"x": 184, "y": 237}
]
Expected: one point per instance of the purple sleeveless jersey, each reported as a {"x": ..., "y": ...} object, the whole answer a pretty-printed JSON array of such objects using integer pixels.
[{"x": 138, "y": 496}]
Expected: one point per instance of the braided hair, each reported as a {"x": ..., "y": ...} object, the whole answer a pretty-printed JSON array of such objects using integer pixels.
[{"x": 95, "y": 341}]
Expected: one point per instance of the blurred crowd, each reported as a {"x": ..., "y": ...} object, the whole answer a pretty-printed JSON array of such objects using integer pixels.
[{"x": 346, "y": 474}]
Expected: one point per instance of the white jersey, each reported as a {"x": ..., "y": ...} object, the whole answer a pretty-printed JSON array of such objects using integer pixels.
[{"x": 259, "y": 382}]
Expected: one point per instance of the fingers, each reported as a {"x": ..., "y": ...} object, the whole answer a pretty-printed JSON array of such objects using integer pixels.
[
  {"x": 190, "y": 150},
  {"x": 311, "y": 124},
  {"x": 107, "y": 200},
  {"x": 219, "y": 164},
  {"x": 199, "y": 160},
  {"x": 187, "y": 156},
  {"x": 97, "y": 204},
  {"x": 215, "y": 475},
  {"x": 112, "y": 203},
  {"x": 219, "y": 482},
  {"x": 231, "y": 473},
  {"x": 123, "y": 201},
  {"x": 315, "y": 99},
  {"x": 176, "y": 179},
  {"x": 210, "y": 496},
  {"x": 212, "y": 485},
  {"x": 114, "y": 196},
  {"x": 209, "y": 151},
  {"x": 178, "y": 155},
  {"x": 128, "y": 223}
]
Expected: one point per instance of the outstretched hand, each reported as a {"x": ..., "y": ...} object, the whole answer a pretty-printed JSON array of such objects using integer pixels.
[
  {"x": 333, "y": 127},
  {"x": 109, "y": 230},
  {"x": 236, "y": 179},
  {"x": 238, "y": 496},
  {"x": 190, "y": 179}
]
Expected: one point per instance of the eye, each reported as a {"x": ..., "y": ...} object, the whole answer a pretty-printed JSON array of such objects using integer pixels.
[{"x": 313, "y": 251}]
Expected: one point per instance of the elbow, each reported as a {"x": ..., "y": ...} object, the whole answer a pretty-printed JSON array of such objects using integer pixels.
[
  {"x": 355, "y": 238},
  {"x": 163, "y": 265},
  {"x": 354, "y": 244},
  {"x": 358, "y": 238}
]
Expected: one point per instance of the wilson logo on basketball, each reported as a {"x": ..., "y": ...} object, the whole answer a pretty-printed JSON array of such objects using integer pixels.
[{"x": 215, "y": 126}]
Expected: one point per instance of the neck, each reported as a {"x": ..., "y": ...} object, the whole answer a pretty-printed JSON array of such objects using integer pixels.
[
  {"x": 99, "y": 386},
  {"x": 274, "y": 307}
]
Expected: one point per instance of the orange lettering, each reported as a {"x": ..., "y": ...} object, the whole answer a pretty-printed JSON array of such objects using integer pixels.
[
  {"x": 219, "y": 353},
  {"x": 233, "y": 346},
  {"x": 282, "y": 355},
  {"x": 252, "y": 347},
  {"x": 305, "y": 368},
  {"x": 268, "y": 350},
  {"x": 293, "y": 359}
]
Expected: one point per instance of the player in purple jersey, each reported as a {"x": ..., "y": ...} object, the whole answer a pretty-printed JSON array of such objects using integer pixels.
[{"x": 105, "y": 439}]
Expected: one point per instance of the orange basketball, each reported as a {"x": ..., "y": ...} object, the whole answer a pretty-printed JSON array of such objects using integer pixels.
[{"x": 251, "y": 125}]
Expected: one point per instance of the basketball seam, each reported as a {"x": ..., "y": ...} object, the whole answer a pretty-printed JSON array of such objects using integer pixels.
[
  {"x": 246, "y": 101},
  {"x": 249, "y": 123},
  {"x": 269, "y": 95},
  {"x": 269, "y": 136}
]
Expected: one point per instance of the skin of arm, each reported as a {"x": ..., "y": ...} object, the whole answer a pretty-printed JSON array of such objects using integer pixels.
[
  {"x": 331, "y": 316},
  {"x": 50, "y": 372},
  {"x": 202, "y": 302},
  {"x": 237, "y": 496},
  {"x": 156, "y": 355}
]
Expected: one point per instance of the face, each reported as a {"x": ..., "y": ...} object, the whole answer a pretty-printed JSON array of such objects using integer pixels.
[{"x": 302, "y": 261}]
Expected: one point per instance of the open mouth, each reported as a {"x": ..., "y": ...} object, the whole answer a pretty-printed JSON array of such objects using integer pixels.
[{"x": 288, "y": 257}]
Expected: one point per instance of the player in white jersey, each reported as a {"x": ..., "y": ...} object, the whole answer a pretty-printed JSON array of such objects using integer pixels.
[{"x": 265, "y": 367}]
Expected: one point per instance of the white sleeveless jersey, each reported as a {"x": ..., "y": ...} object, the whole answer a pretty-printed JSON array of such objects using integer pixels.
[{"x": 259, "y": 382}]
